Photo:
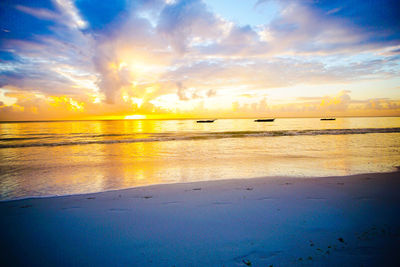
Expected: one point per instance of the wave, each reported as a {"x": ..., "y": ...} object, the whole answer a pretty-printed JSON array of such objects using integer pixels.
[{"x": 159, "y": 137}]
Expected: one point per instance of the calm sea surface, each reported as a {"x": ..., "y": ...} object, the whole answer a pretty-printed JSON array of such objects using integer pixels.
[{"x": 60, "y": 158}]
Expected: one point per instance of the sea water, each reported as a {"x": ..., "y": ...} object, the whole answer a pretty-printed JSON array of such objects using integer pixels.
[{"x": 71, "y": 157}]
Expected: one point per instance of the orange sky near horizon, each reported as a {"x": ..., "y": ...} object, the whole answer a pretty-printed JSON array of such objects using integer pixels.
[{"x": 293, "y": 60}]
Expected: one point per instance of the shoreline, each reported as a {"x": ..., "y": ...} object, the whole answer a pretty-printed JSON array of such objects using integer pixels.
[
  {"x": 284, "y": 221},
  {"x": 204, "y": 181}
]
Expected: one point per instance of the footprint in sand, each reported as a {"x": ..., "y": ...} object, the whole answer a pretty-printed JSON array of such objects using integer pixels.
[
  {"x": 364, "y": 198},
  {"x": 171, "y": 202},
  {"x": 315, "y": 198},
  {"x": 118, "y": 210},
  {"x": 193, "y": 189},
  {"x": 266, "y": 198},
  {"x": 142, "y": 197},
  {"x": 221, "y": 203},
  {"x": 256, "y": 254},
  {"x": 70, "y": 208}
]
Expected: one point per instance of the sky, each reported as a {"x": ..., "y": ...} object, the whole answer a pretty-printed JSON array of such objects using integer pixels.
[{"x": 87, "y": 59}]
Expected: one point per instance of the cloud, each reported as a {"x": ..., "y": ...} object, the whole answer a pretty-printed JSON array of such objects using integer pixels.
[
  {"x": 56, "y": 63},
  {"x": 376, "y": 19},
  {"x": 33, "y": 106},
  {"x": 258, "y": 108},
  {"x": 184, "y": 20},
  {"x": 340, "y": 102},
  {"x": 63, "y": 69},
  {"x": 301, "y": 29},
  {"x": 135, "y": 54},
  {"x": 128, "y": 56},
  {"x": 381, "y": 104},
  {"x": 71, "y": 15},
  {"x": 181, "y": 92},
  {"x": 41, "y": 13}
]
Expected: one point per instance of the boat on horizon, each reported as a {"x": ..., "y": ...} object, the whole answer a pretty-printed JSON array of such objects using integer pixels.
[
  {"x": 328, "y": 119},
  {"x": 205, "y": 121},
  {"x": 263, "y": 120}
]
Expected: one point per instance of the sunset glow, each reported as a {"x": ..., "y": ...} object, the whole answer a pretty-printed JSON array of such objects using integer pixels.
[
  {"x": 194, "y": 58},
  {"x": 135, "y": 117},
  {"x": 199, "y": 132}
]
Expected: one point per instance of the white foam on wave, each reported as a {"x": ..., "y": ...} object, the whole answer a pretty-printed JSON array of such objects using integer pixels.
[{"x": 162, "y": 137}]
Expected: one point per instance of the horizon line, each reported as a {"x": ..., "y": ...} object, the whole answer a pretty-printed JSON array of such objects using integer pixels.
[{"x": 197, "y": 118}]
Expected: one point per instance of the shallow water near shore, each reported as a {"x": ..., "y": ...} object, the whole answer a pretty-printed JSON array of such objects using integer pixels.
[{"x": 70, "y": 157}]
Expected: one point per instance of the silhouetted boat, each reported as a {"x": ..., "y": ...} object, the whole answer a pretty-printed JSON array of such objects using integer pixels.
[
  {"x": 328, "y": 119},
  {"x": 205, "y": 121},
  {"x": 263, "y": 120}
]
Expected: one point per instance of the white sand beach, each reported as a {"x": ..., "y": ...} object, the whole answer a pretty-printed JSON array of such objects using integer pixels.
[{"x": 272, "y": 221}]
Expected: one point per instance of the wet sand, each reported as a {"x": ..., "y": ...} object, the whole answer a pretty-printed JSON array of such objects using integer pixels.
[{"x": 278, "y": 221}]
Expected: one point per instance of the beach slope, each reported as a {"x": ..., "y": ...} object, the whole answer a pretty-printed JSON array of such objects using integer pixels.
[{"x": 278, "y": 221}]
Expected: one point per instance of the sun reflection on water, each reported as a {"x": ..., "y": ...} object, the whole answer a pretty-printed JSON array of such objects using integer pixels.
[{"x": 56, "y": 170}]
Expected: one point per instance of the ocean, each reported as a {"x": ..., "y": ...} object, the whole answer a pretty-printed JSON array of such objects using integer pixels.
[{"x": 73, "y": 157}]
